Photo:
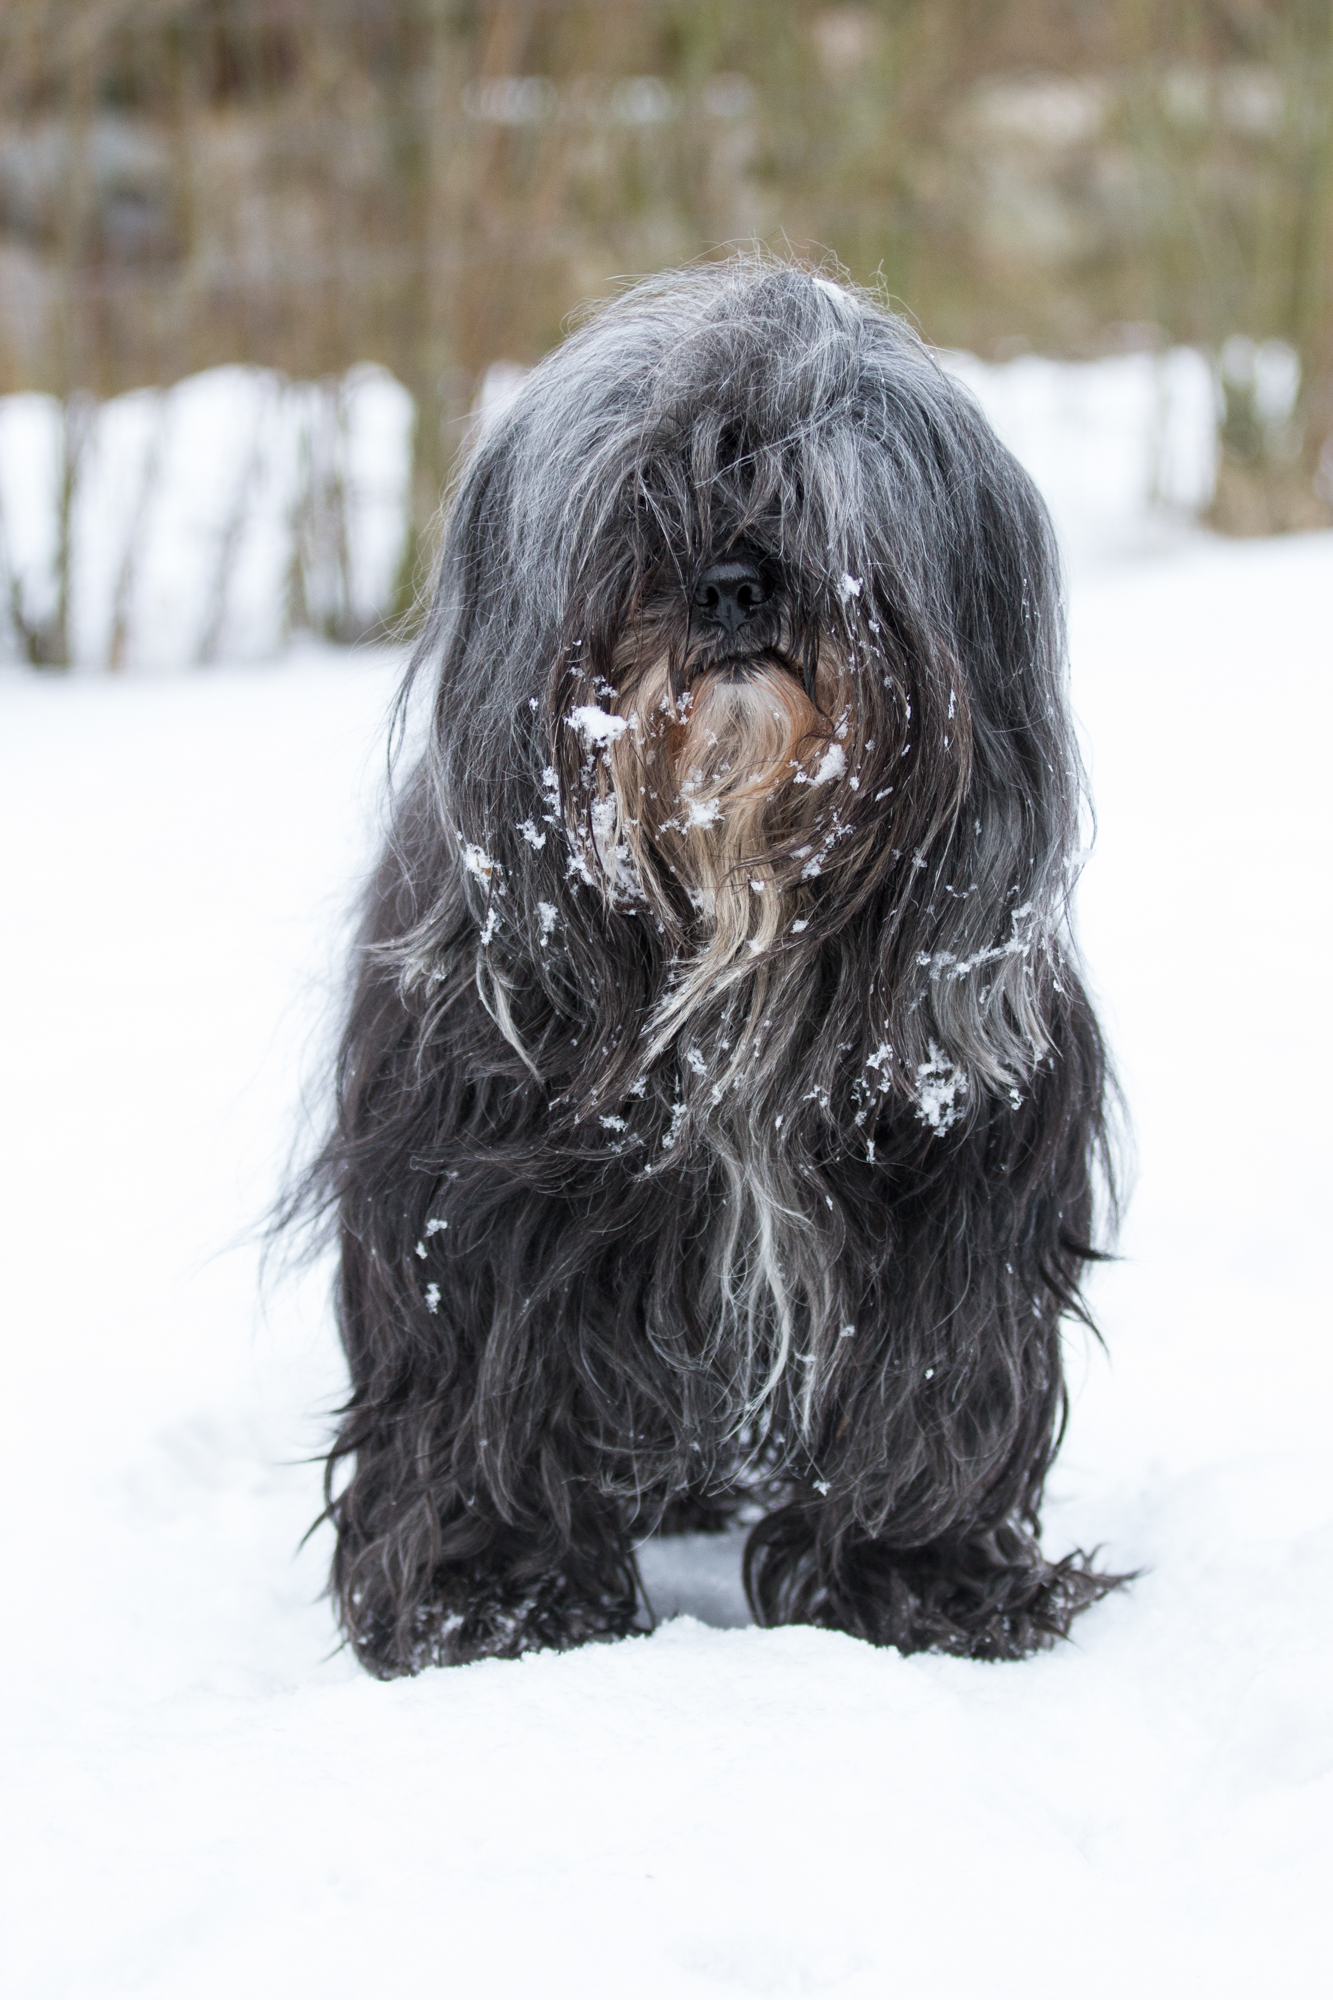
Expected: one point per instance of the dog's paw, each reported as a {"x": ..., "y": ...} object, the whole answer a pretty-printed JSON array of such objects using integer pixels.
[
  {"x": 985, "y": 1595},
  {"x": 499, "y": 1623}
]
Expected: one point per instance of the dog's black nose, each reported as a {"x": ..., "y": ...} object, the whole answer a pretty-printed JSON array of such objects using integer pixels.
[{"x": 729, "y": 594}]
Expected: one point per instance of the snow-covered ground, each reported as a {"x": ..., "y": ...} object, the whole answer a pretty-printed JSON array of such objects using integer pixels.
[{"x": 203, "y": 1800}]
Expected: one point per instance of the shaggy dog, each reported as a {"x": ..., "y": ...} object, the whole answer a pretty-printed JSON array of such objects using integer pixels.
[{"x": 720, "y": 1112}]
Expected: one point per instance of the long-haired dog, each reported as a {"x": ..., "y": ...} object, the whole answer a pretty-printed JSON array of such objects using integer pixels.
[{"x": 721, "y": 1116}]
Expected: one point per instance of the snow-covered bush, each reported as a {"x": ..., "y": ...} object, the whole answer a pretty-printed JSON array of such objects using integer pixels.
[{"x": 209, "y": 520}]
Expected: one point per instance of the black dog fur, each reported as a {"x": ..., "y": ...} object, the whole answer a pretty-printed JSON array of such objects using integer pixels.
[{"x": 721, "y": 1119}]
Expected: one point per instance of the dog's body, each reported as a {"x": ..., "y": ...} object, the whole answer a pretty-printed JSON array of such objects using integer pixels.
[{"x": 720, "y": 1109}]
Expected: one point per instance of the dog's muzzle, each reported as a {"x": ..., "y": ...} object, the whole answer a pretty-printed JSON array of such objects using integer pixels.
[{"x": 735, "y": 616}]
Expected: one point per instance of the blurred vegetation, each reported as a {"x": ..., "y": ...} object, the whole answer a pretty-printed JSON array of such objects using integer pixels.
[{"x": 437, "y": 186}]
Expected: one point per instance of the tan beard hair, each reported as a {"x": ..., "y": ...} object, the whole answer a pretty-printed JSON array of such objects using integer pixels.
[{"x": 714, "y": 787}]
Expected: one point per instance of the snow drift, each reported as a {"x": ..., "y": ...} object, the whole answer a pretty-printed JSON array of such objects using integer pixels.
[{"x": 204, "y": 1798}]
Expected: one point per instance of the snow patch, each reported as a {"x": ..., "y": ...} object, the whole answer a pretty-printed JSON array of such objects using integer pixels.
[
  {"x": 478, "y": 862},
  {"x": 594, "y": 725},
  {"x": 941, "y": 1087},
  {"x": 832, "y": 764}
]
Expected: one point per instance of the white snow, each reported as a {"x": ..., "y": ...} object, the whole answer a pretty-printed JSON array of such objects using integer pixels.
[
  {"x": 594, "y": 725},
  {"x": 478, "y": 862},
  {"x": 1124, "y": 449},
  {"x": 940, "y": 1086},
  {"x": 198, "y": 508},
  {"x": 204, "y": 1800}
]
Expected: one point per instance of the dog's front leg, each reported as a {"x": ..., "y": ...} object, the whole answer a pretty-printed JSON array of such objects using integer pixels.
[
  {"x": 429, "y": 1571},
  {"x": 469, "y": 1525}
]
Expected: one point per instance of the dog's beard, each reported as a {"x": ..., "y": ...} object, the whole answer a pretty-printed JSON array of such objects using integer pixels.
[
  {"x": 714, "y": 787},
  {"x": 718, "y": 789}
]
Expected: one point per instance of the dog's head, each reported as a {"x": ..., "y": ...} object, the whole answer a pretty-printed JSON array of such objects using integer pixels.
[{"x": 751, "y": 670}]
